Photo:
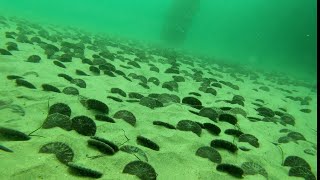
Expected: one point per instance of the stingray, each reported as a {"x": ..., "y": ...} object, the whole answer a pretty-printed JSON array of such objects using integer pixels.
[{"x": 62, "y": 151}]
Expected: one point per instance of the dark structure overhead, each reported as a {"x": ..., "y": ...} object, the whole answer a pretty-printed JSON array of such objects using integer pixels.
[{"x": 179, "y": 20}]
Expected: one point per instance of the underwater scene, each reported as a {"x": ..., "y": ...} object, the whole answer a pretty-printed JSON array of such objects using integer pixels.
[{"x": 158, "y": 89}]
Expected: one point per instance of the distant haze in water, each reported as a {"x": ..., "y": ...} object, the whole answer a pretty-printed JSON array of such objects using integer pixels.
[{"x": 268, "y": 34}]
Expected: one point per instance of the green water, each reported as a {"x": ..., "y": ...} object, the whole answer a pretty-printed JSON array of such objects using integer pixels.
[
  {"x": 266, "y": 119},
  {"x": 273, "y": 34}
]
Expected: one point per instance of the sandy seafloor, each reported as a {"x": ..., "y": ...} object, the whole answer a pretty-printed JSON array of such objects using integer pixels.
[{"x": 176, "y": 158}]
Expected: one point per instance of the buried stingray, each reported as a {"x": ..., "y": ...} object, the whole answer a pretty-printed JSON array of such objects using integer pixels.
[{"x": 13, "y": 107}]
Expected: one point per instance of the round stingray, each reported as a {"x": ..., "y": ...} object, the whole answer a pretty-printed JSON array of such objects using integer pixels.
[
  {"x": 62, "y": 151},
  {"x": 57, "y": 120},
  {"x": 84, "y": 125},
  {"x": 60, "y": 108},
  {"x": 187, "y": 125},
  {"x": 125, "y": 115},
  {"x": 210, "y": 153},
  {"x": 141, "y": 169}
]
